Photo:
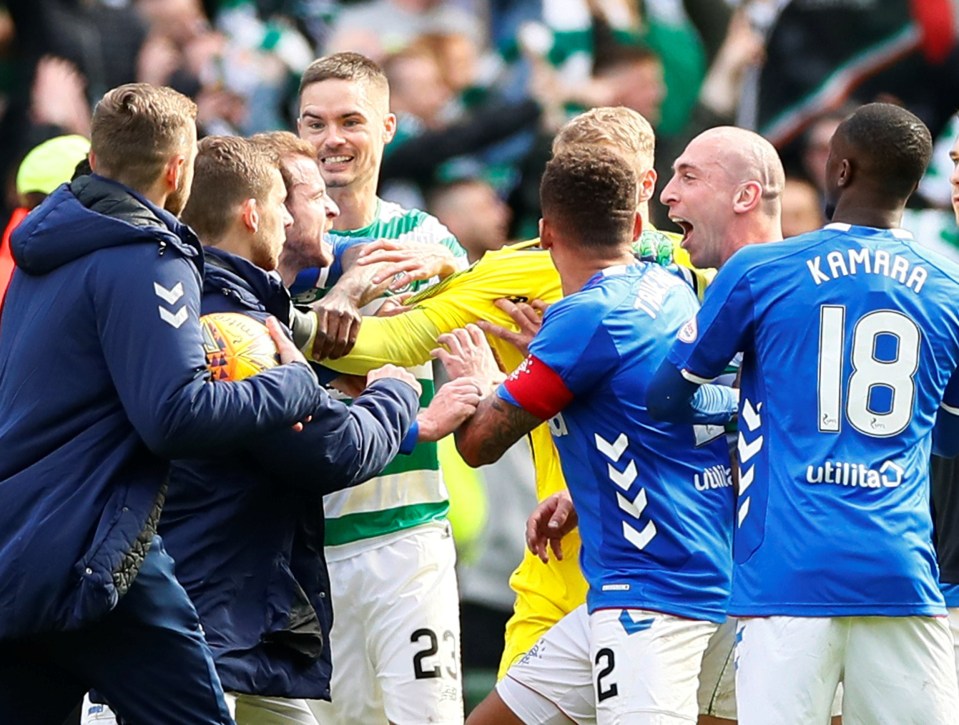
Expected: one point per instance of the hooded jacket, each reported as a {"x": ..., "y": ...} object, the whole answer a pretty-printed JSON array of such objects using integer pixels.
[
  {"x": 245, "y": 525},
  {"x": 102, "y": 380}
]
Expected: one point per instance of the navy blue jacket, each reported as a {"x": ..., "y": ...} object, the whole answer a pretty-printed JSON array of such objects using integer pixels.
[
  {"x": 245, "y": 525},
  {"x": 102, "y": 380}
]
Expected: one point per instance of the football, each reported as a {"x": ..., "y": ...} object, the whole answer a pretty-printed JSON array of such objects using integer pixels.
[{"x": 236, "y": 346}]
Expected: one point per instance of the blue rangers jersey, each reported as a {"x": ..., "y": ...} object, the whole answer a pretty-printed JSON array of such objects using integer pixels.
[
  {"x": 850, "y": 336},
  {"x": 655, "y": 502}
]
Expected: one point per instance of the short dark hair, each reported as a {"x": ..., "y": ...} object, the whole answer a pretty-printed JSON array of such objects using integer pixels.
[
  {"x": 892, "y": 146},
  {"x": 591, "y": 193},
  {"x": 229, "y": 170},
  {"x": 344, "y": 67},
  {"x": 136, "y": 128}
]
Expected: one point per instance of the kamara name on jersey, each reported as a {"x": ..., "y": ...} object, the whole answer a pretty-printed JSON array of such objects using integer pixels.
[
  {"x": 866, "y": 261},
  {"x": 844, "y": 473}
]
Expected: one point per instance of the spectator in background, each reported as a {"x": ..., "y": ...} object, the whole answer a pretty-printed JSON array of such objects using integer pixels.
[
  {"x": 633, "y": 77},
  {"x": 41, "y": 171},
  {"x": 97, "y": 43},
  {"x": 426, "y": 139},
  {"x": 801, "y": 207},
  {"x": 474, "y": 214},
  {"x": 377, "y": 28},
  {"x": 814, "y": 146}
]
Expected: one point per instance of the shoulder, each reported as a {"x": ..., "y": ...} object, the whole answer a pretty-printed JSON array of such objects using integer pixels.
[{"x": 413, "y": 225}]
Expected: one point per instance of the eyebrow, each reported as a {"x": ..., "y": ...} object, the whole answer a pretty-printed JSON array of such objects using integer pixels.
[{"x": 345, "y": 114}]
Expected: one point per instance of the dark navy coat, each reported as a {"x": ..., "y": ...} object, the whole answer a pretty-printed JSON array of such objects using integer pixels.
[
  {"x": 102, "y": 381},
  {"x": 245, "y": 525}
]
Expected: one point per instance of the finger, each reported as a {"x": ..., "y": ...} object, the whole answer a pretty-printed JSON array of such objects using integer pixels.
[
  {"x": 527, "y": 316},
  {"x": 297, "y": 427},
  {"x": 378, "y": 245},
  {"x": 385, "y": 256},
  {"x": 345, "y": 338},
  {"x": 452, "y": 342},
  {"x": 476, "y": 335},
  {"x": 559, "y": 517},
  {"x": 557, "y": 546},
  {"x": 535, "y": 544},
  {"x": 498, "y": 331},
  {"x": 539, "y": 305}
]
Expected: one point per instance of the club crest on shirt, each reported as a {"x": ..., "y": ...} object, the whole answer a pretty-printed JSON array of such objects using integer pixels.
[{"x": 689, "y": 331}]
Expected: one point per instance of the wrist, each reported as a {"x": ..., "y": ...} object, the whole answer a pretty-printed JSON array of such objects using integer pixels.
[{"x": 426, "y": 431}]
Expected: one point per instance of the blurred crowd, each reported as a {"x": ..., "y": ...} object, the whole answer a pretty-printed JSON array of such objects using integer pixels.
[{"x": 481, "y": 86}]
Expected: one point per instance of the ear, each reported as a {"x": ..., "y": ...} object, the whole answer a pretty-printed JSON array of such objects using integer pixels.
[
  {"x": 92, "y": 158},
  {"x": 647, "y": 185},
  {"x": 173, "y": 172},
  {"x": 747, "y": 197},
  {"x": 545, "y": 234},
  {"x": 846, "y": 173},
  {"x": 251, "y": 215},
  {"x": 637, "y": 226},
  {"x": 389, "y": 127}
]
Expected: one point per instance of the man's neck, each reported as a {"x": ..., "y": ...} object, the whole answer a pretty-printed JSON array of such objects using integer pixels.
[
  {"x": 288, "y": 271},
  {"x": 234, "y": 244},
  {"x": 576, "y": 270},
  {"x": 752, "y": 233},
  {"x": 867, "y": 216},
  {"x": 357, "y": 206}
]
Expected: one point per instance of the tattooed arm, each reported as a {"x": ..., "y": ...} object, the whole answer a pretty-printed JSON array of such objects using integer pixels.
[{"x": 494, "y": 427}]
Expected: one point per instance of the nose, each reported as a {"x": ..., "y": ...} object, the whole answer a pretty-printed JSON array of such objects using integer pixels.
[
  {"x": 332, "y": 210},
  {"x": 668, "y": 195},
  {"x": 333, "y": 136},
  {"x": 287, "y": 218}
]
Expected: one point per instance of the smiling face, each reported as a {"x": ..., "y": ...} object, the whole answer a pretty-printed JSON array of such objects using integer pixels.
[
  {"x": 700, "y": 199},
  {"x": 348, "y": 124},
  {"x": 313, "y": 214}
]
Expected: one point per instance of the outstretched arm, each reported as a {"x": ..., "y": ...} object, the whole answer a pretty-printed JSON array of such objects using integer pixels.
[{"x": 679, "y": 398}]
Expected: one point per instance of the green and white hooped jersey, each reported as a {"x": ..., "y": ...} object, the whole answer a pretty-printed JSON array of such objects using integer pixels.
[{"x": 410, "y": 490}]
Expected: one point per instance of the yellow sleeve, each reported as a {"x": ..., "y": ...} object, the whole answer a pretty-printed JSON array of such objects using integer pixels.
[
  {"x": 461, "y": 298},
  {"x": 404, "y": 340}
]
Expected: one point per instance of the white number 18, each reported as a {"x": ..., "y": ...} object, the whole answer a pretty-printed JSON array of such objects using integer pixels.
[{"x": 868, "y": 372}]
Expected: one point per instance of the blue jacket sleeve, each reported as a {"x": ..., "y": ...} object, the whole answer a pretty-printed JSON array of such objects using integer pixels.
[
  {"x": 147, "y": 317},
  {"x": 344, "y": 444},
  {"x": 674, "y": 398}
]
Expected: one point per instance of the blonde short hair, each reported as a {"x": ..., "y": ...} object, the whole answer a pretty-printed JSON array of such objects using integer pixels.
[{"x": 617, "y": 127}]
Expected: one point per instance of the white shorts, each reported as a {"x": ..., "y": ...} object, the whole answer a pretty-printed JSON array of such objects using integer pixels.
[
  {"x": 717, "y": 678},
  {"x": 615, "y": 666},
  {"x": 954, "y": 628},
  {"x": 396, "y": 633},
  {"x": 246, "y": 710},
  {"x": 553, "y": 682},
  {"x": 894, "y": 670}
]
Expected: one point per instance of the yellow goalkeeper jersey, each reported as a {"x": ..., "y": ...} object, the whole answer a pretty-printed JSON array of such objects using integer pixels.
[{"x": 520, "y": 272}]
